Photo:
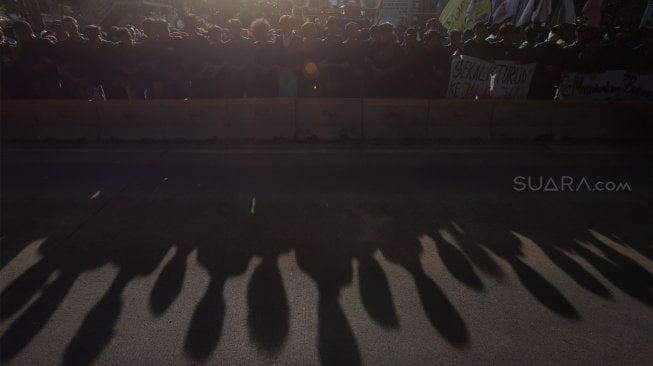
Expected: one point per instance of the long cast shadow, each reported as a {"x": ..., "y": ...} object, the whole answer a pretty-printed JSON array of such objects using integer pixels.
[
  {"x": 137, "y": 244},
  {"x": 170, "y": 282},
  {"x": 328, "y": 261},
  {"x": 373, "y": 283},
  {"x": 223, "y": 249},
  {"x": 268, "y": 316},
  {"x": 18, "y": 293},
  {"x": 67, "y": 263},
  {"x": 506, "y": 244},
  {"x": 32, "y": 320},
  {"x": 632, "y": 280},
  {"x": 98, "y": 326},
  {"x": 541, "y": 289},
  {"x": 401, "y": 245},
  {"x": 619, "y": 269},
  {"x": 478, "y": 256},
  {"x": 455, "y": 261},
  {"x": 571, "y": 267},
  {"x": 375, "y": 292}
]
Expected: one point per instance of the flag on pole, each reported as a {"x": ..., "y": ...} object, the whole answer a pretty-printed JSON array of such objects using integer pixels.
[
  {"x": 593, "y": 12},
  {"x": 456, "y": 15},
  {"x": 542, "y": 12},
  {"x": 647, "y": 19},
  {"x": 440, "y": 6},
  {"x": 526, "y": 14},
  {"x": 473, "y": 8},
  {"x": 521, "y": 6},
  {"x": 565, "y": 14},
  {"x": 504, "y": 9}
]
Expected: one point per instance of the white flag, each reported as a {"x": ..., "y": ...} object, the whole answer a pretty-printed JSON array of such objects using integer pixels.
[
  {"x": 504, "y": 9},
  {"x": 647, "y": 19},
  {"x": 470, "y": 10},
  {"x": 527, "y": 13},
  {"x": 565, "y": 14},
  {"x": 543, "y": 12},
  {"x": 521, "y": 5}
]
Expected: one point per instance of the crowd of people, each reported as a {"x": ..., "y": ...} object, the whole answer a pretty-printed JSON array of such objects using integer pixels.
[{"x": 341, "y": 59}]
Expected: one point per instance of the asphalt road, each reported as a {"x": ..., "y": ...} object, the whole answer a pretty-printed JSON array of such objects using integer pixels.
[{"x": 341, "y": 254}]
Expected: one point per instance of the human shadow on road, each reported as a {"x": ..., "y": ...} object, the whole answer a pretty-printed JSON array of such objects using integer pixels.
[
  {"x": 582, "y": 237},
  {"x": 326, "y": 242},
  {"x": 62, "y": 268},
  {"x": 502, "y": 238},
  {"x": 35, "y": 317},
  {"x": 373, "y": 283},
  {"x": 171, "y": 280},
  {"x": 25, "y": 286},
  {"x": 375, "y": 290},
  {"x": 224, "y": 251},
  {"x": 399, "y": 242},
  {"x": 621, "y": 271},
  {"x": 450, "y": 232},
  {"x": 327, "y": 259},
  {"x": 454, "y": 260},
  {"x": 268, "y": 316},
  {"x": 556, "y": 244},
  {"x": 137, "y": 245}
]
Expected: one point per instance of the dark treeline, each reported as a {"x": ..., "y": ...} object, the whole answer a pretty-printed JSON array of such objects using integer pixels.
[{"x": 154, "y": 60}]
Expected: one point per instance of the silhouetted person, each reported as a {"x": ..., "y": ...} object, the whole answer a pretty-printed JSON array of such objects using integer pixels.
[
  {"x": 73, "y": 59},
  {"x": 478, "y": 47},
  {"x": 616, "y": 55},
  {"x": 581, "y": 55},
  {"x": 289, "y": 50},
  {"x": 99, "y": 58},
  {"x": 238, "y": 56},
  {"x": 262, "y": 81},
  {"x": 34, "y": 64},
  {"x": 193, "y": 53},
  {"x": 7, "y": 76}
]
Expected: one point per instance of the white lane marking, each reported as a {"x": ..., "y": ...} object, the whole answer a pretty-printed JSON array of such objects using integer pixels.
[
  {"x": 96, "y": 195},
  {"x": 253, "y": 209}
]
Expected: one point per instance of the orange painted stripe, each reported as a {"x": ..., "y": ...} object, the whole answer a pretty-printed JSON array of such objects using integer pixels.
[
  {"x": 328, "y": 101},
  {"x": 397, "y": 102},
  {"x": 66, "y": 104}
]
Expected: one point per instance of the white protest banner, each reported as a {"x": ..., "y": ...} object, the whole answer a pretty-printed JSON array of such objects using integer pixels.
[
  {"x": 512, "y": 81},
  {"x": 473, "y": 78},
  {"x": 610, "y": 85},
  {"x": 470, "y": 78}
]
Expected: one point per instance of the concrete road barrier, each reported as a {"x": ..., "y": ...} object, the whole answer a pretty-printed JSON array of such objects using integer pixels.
[
  {"x": 632, "y": 121},
  {"x": 195, "y": 119},
  {"x": 395, "y": 118},
  {"x": 66, "y": 120},
  {"x": 49, "y": 120},
  {"x": 584, "y": 120},
  {"x": 261, "y": 119},
  {"x": 459, "y": 120},
  {"x": 132, "y": 120},
  {"x": 328, "y": 119},
  {"x": 522, "y": 120},
  {"x": 17, "y": 120},
  {"x": 589, "y": 120}
]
